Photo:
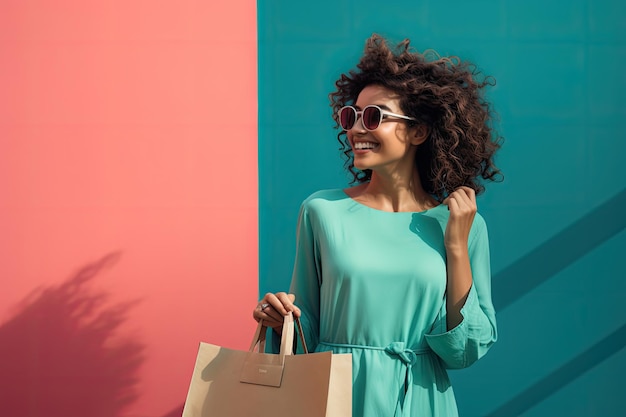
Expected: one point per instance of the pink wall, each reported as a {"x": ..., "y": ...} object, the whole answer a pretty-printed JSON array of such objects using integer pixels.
[{"x": 130, "y": 127}]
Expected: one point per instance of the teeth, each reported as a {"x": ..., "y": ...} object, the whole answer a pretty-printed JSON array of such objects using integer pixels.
[{"x": 365, "y": 145}]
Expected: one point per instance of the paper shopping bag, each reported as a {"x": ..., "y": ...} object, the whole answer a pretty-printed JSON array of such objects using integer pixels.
[{"x": 233, "y": 383}]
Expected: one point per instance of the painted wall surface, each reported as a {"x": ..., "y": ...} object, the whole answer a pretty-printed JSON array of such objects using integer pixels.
[
  {"x": 128, "y": 200},
  {"x": 556, "y": 223}
]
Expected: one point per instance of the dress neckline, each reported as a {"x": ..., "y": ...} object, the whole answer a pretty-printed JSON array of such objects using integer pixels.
[{"x": 358, "y": 203}]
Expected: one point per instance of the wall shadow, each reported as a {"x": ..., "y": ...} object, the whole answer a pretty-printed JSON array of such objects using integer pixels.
[
  {"x": 559, "y": 251},
  {"x": 538, "y": 266},
  {"x": 564, "y": 375},
  {"x": 62, "y": 354}
]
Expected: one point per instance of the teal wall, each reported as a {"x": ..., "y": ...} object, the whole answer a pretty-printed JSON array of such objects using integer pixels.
[{"x": 556, "y": 222}]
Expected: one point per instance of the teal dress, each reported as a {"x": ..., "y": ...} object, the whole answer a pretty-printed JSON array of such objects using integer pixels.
[{"x": 372, "y": 283}]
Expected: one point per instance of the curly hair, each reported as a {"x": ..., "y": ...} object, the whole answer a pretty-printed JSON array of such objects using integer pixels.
[{"x": 445, "y": 94}]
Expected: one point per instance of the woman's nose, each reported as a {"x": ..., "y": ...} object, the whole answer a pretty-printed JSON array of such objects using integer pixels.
[{"x": 358, "y": 126}]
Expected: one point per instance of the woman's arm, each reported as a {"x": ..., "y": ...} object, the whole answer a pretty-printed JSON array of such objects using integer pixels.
[
  {"x": 462, "y": 206},
  {"x": 466, "y": 326}
]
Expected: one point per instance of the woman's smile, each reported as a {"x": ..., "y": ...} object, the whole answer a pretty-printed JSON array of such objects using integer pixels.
[{"x": 361, "y": 147}]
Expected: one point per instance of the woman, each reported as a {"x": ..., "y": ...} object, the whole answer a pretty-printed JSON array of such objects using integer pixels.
[{"x": 395, "y": 270}]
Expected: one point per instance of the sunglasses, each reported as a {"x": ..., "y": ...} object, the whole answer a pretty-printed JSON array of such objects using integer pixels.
[{"x": 371, "y": 117}]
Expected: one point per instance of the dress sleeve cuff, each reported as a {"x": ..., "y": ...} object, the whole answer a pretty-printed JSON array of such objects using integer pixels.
[{"x": 450, "y": 345}]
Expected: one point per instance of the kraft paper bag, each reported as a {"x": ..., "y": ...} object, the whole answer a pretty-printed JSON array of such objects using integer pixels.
[{"x": 233, "y": 383}]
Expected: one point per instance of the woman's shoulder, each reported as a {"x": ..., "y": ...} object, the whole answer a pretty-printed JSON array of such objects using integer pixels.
[
  {"x": 323, "y": 205},
  {"x": 333, "y": 197},
  {"x": 324, "y": 197}
]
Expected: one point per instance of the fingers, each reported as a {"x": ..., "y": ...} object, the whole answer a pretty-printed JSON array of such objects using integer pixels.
[
  {"x": 271, "y": 318},
  {"x": 467, "y": 195},
  {"x": 272, "y": 308},
  {"x": 464, "y": 193},
  {"x": 280, "y": 302},
  {"x": 462, "y": 206},
  {"x": 461, "y": 201},
  {"x": 292, "y": 307},
  {"x": 453, "y": 205}
]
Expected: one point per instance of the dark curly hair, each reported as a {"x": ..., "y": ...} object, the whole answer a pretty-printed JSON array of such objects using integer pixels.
[{"x": 445, "y": 94}]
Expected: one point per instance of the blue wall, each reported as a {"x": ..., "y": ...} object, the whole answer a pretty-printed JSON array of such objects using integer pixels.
[{"x": 556, "y": 223}]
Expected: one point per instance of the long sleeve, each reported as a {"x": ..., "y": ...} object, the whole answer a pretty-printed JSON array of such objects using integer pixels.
[
  {"x": 471, "y": 339},
  {"x": 307, "y": 278},
  {"x": 305, "y": 282}
]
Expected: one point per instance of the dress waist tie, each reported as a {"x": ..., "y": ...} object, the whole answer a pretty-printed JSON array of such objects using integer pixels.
[{"x": 408, "y": 358}]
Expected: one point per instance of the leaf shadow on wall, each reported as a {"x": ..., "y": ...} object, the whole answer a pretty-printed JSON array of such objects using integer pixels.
[{"x": 62, "y": 353}]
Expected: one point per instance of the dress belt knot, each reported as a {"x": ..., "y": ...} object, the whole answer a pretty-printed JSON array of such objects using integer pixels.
[
  {"x": 409, "y": 358},
  {"x": 406, "y": 355}
]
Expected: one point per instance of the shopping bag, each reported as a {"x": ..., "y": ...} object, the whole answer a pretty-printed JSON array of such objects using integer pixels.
[{"x": 233, "y": 383}]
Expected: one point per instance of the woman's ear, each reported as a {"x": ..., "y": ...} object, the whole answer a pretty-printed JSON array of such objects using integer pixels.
[{"x": 419, "y": 133}]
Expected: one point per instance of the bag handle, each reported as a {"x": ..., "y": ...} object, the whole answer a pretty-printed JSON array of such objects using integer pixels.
[
  {"x": 286, "y": 340},
  {"x": 301, "y": 332},
  {"x": 266, "y": 369}
]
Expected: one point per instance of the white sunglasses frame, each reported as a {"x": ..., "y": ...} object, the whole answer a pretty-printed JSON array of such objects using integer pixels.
[{"x": 359, "y": 115}]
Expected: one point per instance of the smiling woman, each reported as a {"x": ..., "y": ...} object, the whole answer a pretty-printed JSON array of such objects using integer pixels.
[
  {"x": 388, "y": 145},
  {"x": 417, "y": 139},
  {"x": 444, "y": 95}
]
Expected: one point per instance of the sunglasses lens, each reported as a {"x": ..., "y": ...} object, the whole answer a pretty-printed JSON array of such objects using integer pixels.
[
  {"x": 347, "y": 117},
  {"x": 371, "y": 117}
]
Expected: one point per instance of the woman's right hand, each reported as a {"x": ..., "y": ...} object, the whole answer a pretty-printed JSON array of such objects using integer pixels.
[{"x": 273, "y": 308}]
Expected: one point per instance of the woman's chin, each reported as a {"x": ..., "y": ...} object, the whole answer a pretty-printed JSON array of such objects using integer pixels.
[{"x": 360, "y": 164}]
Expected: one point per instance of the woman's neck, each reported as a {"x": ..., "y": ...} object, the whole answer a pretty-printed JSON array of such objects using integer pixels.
[{"x": 396, "y": 193}]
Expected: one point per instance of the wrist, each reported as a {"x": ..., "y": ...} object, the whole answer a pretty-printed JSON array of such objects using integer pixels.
[{"x": 456, "y": 250}]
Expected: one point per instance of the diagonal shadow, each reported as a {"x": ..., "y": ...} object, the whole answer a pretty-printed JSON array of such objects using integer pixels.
[
  {"x": 547, "y": 259},
  {"x": 62, "y": 353},
  {"x": 567, "y": 373},
  {"x": 561, "y": 250}
]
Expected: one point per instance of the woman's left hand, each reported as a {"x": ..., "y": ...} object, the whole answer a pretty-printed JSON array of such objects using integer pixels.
[{"x": 462, "y": 206}]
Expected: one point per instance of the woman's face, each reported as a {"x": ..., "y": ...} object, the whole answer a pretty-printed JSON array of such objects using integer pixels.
[{"x": 392, "y": 145}]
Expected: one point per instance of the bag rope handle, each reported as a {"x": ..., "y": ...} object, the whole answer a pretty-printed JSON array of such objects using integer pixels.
[{"x": 287, "y": 336}]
